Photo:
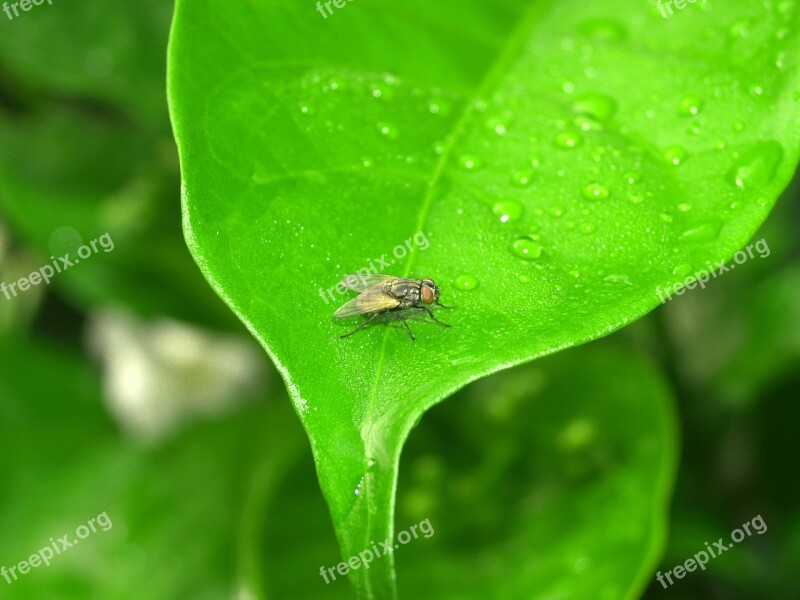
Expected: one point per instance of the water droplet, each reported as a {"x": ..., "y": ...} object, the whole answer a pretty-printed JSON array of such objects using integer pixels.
[
  {"x": 439, "y": 106},
  {"x": 497, "y": 124},
  {"x": 527, "y": 249},
  {"x": 524, "y": 278},
  {"x": 684, "y": 207},
  {"x": 598, "y": 106},
  {"x": 756, "y": 167},
  {"x": 595, "y": 191},
  {"x": 568, "y": 139},
  {"x": 603, "y": 30},
  {"x": 740, "y": 28},
  {"x": 675, "y": 155},
  {"x": 616, "y": 278},
  {"x": 666, "y": 217},
  {"x": 470, "y": 162},
  {"x": 521, "y": 178},
  {"x": 706, "y": 231},
  {"x": 388, "y": 129},
  {"x": 690, "y": 106},
  {"x": 632, "y": 177},
  {"x": 466, "y": 282},
  {"x": 586, "y": 228},
  {"x": 367, "y": 162},
  {"x": 738, "y": 126},
  {"x": 556, "y": 211},
  {"x": 635, "y": 198},
  {"x": 682, "y": 270},
  {"x": 508, "y": 210}
]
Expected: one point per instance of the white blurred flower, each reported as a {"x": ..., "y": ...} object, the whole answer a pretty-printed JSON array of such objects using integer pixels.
[{"x": 159, "y": 375}]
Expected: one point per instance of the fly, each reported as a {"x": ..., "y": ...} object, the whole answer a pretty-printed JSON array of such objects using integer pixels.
[{"x": 381, "y": 294}]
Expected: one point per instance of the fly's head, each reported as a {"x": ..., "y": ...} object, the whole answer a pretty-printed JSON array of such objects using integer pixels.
[{"x": 429, "y": 292}]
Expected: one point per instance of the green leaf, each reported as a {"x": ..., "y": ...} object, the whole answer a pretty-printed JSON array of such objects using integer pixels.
[
  {"x": 558, "y": 161},
  {"x": 569, "y": 499}
]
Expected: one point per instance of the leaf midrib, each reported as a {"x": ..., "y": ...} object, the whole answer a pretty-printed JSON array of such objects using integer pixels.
[{"x": 510, "y": 54}]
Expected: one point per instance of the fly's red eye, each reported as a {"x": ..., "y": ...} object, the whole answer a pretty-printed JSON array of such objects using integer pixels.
[{"x": 427, "y": 294}]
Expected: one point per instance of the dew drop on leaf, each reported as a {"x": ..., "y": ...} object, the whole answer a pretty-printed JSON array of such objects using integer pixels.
[
  {"x": 756, "y": 167},
  {"x": 568, "y": 139},
  {"x": 388, "y": 129},
  {"x": 466, "y": 282},
  {"x": 595, "y": 191},
  {"x": 470, "y": 162},
  {"x": 527, "y": 249},
  {"x": 705, "y": 231},
  {"x": 599, "y": 106},
  {"x": 521, "y": 178},
  {"x": 603, "y": 30},
  {"x": 682, "y": 270},
  {"x": 675, "y": 155},
  {"x": 508, "y": 210},
  {"x": 690, "y": 106}
]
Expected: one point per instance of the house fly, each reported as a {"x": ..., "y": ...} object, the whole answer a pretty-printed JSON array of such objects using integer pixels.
[{"x": 381, "y": 294}]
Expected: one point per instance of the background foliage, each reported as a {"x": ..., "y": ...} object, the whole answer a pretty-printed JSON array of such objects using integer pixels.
[{"x": 523, "y": 475}]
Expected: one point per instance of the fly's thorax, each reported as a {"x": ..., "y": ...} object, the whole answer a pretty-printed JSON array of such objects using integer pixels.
[{"x": 407, "y": 291}]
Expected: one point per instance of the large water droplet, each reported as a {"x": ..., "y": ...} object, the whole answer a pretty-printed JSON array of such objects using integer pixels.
[
  {"x": 439, "y": 106},
  {"x": 466, "y": 282},
  {"x": 617, "y": 278},
  {"x": 521, "y": 178},
  {"x": 598, "y": 106},
  {"x": 682, "y": 270},
  {"x": 675, "y": 155},
  {"x": 595, "y": 191},
  {"x": 603, "y": 30},
  {"x": 527, "y": 249},
  {"x": 705, "y": 231},
  {"x": 508, "y": 210},
  {"x": 568, "y": 139},
  {"x": 388, "y": 129},
  {"x": 470, "y": 162},
  {"x": 690, "y": 106},
  {"x": 756, "y": 166}
]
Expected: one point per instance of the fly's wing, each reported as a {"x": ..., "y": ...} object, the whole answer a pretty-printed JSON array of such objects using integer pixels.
[
  {"x": 372, "y": 300},
  {"x": 358, "y": 282}
]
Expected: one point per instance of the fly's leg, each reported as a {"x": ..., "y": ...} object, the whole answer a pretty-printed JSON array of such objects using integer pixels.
[
  {"x": 360, "y": 326},
  {"x": 403, "y": 319},
  {"x": 430, "y": 313},
  {"x": 443, "y": 306}
]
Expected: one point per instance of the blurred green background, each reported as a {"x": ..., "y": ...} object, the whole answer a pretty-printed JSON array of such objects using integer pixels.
[{"x": 127, "y": 387}]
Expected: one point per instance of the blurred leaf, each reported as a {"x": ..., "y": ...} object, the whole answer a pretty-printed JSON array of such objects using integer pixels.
[
  {"x": 532, "y": 493},
  {"x": 187, "y": 516},
  {"x": 111, "y": 52},
  {"x": 563, "y": 160},
  {"x": 66, "y": 179}
]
